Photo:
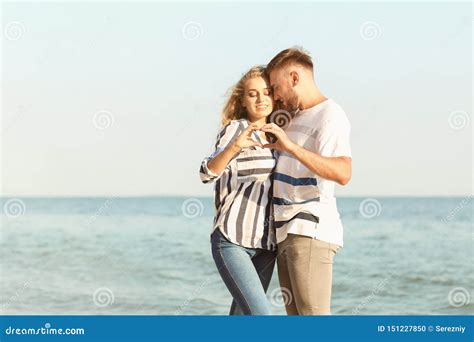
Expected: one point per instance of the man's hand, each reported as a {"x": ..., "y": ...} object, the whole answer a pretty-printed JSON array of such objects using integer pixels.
[
  {"x": 283, "y": 143},
  {"x": 337, "y": 169}
]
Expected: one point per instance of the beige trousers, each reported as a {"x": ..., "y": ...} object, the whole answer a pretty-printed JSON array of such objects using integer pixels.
[{"x": 305, "y": 273}]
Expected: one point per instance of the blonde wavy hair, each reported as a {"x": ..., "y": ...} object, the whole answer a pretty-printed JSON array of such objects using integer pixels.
[{"x": 233, "y": 109}]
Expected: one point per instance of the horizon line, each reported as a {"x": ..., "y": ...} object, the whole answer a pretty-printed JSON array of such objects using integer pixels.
[{"x": 211, "y": 196}]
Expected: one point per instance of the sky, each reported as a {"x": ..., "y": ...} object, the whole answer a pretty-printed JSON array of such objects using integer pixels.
[{"x": 124, "y": 98}]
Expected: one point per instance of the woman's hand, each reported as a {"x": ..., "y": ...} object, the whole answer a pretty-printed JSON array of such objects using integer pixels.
[
  {"x": 244, "y": 140},
  {"x": 283, "y": 143}
]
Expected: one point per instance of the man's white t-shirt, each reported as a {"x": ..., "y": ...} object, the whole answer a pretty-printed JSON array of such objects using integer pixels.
[{"x": 304, "y": 203}]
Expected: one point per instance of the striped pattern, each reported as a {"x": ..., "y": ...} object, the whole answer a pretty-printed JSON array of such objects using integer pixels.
[
  {"x": 303, "y": 203},
  {"x": 298, "y": 216},
  {"x": 243, "y": 191}
]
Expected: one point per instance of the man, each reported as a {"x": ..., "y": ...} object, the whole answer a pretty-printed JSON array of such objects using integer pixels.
[{"x": 315, "y": 154}]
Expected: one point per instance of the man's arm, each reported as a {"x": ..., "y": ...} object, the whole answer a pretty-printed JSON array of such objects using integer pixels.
[{"x": 337, "y": 169}]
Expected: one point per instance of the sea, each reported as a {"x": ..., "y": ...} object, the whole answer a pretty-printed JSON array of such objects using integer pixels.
[{"x": 151, "y": 256}]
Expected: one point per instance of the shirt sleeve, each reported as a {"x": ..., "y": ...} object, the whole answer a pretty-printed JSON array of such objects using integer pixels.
[
  {"x": 334, "y": 140},
  {"x": 225, "y": 136}
]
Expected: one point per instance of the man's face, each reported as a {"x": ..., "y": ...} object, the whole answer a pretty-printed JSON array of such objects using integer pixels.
[{"x": 283, "y": 91}]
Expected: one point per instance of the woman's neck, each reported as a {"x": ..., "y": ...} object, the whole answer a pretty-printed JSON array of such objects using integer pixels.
[{"x": 259, "y": 122}]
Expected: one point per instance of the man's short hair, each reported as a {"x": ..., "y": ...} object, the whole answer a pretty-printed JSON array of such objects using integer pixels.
[{"x": 295, "y": 55}]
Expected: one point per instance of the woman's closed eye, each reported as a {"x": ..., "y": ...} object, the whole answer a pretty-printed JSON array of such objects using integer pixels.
[{"x": 266, "y": 92}]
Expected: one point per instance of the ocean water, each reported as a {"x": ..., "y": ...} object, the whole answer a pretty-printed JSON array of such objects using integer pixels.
[{"x": 151, "y": 256}]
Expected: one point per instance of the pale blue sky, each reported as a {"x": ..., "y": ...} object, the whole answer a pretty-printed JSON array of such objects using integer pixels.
[{"x": 164, "y": 88}]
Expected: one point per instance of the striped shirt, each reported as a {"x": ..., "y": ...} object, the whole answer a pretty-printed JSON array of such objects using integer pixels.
[
  {"x": 304, "y": 203},
  {"x": 243, "y": 191}
]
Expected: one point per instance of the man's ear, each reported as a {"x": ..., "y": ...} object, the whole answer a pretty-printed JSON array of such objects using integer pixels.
[{"x": 295, "y": 78}]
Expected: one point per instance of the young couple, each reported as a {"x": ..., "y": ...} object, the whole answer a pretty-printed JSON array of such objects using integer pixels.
[{"x": 274, "y": 188}]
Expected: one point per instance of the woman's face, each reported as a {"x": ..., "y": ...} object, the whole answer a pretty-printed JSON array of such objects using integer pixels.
[{"x": 257, "y": 99}]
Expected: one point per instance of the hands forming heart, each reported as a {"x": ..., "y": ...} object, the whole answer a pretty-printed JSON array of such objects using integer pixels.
[{"x": 282, "y": 143}]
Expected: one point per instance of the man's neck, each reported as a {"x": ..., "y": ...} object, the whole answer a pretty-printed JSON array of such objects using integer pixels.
[{"x": 313, "y": 98}]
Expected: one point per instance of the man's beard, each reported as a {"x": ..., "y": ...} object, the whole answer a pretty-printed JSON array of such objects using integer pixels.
[{"x": 291, "y": 102}]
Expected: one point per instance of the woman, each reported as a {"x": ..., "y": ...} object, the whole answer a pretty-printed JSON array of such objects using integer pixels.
[{"x": 243, "y": 238}]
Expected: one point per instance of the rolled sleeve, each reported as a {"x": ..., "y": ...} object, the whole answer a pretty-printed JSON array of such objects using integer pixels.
[
  {"x": 205, "y": 173},
  {"x": 225, "y": 136}
]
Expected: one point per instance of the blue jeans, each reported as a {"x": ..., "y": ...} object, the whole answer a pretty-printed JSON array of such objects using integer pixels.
[{"x": 246, "y": 272}]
